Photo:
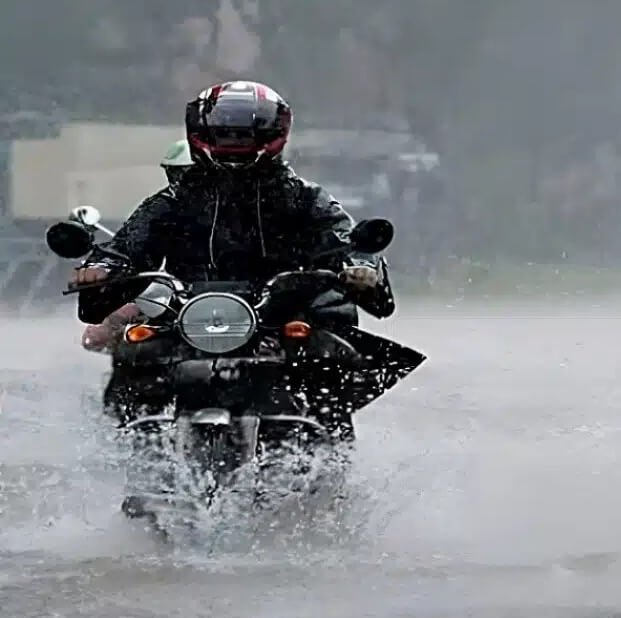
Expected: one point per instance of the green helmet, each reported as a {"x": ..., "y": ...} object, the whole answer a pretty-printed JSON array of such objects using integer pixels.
[
  {"x": 177, "y": 155},
  {"x": 176, "y": 162}
]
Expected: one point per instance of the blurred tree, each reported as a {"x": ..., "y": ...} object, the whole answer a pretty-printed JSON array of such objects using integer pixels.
[{"x": 512, "y": 94}]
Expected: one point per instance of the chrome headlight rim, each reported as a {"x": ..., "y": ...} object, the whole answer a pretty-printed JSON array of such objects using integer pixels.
[{"x": 252, "y": 327}]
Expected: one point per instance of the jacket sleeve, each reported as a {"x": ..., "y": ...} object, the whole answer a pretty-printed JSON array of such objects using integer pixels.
[
  {"x": 142, "y": 240},
  {"x": 329, "y": 227},
  {"x": 380, "y": 301}
]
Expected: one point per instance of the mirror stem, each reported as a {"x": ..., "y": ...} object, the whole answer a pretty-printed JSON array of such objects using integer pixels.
[{"x": 104, "y": 229}]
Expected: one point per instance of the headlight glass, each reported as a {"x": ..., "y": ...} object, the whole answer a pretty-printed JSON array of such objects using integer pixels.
[{"x": 217, "y": 323}]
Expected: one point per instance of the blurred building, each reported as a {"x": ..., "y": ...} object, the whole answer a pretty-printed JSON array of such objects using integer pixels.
[{"x": 113, "y": 167}]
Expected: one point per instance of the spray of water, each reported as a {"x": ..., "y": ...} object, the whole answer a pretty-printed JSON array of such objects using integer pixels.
[
  {"x": 487, "y": 480},
  {"x": 65, "y": 472}
]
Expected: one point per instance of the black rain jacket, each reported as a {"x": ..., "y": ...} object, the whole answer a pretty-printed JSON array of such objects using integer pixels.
[{"x": 245, "y": 226}]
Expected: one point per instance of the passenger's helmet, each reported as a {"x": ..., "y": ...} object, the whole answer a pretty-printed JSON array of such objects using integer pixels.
[
  {"x": 177, "y": 161},
  {"x": 236, "y": 124}
]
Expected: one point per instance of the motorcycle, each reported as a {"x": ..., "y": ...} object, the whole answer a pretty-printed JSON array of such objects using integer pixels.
[{"x": 245, "y": 375}]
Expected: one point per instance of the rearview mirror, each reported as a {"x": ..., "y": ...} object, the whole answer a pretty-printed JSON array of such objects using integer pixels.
[
  {"x": 372, "y": 235},
  {"x": 69, "y": 239},
  {"x": 87, "y": 215}
]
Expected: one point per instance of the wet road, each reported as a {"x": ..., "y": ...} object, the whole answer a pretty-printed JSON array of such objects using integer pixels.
[{"x": 487, "y": 484}]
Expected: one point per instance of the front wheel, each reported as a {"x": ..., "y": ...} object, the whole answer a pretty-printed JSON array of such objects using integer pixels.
[
  {"x": 177, "y": 471},
  {"x": 204, "y": 459}
]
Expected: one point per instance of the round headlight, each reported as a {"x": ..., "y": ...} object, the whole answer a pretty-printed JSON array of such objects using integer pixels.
[{"x": 217, "y": 323}]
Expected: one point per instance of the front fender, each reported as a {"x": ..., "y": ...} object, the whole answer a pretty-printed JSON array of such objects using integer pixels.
[{"x": 237, "y": 384}]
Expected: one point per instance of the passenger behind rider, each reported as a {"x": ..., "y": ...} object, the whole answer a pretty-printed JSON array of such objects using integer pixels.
[{"x": 106, "y": 336}]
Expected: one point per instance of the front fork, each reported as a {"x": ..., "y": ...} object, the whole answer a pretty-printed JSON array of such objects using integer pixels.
[{"x": 197, "y": 442}]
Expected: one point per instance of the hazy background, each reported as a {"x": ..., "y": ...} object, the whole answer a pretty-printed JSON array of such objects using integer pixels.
[
  {"x": 487, "y": 483},
  {"x": 521, "y": 101}
]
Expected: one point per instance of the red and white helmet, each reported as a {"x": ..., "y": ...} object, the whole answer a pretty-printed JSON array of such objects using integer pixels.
[{"x": 235, "y": 124}]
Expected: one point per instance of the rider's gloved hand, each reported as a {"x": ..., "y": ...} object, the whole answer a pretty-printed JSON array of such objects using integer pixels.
[
  {"x": 88, "y": 274},
  {"x": 359, "y": 278}
]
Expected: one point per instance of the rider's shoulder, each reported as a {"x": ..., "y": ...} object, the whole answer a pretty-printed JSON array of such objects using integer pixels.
[
  {"x": 157, "y": 205},
  {"x": 303, "y": 187},
  {"x": 160, "y": 199}
]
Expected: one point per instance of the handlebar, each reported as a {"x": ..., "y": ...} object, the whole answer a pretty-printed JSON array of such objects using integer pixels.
[
  {"x": 319, "y": 276},
  {"x": 165, "y": 278}
]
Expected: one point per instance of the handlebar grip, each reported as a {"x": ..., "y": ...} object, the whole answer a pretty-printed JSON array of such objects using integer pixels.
[{"x": 74, "y": 288}]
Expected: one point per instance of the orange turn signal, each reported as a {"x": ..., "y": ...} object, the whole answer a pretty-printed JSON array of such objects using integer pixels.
[
  {"x": 297, "y": 330},
  {"x": 138, "y": 333}
]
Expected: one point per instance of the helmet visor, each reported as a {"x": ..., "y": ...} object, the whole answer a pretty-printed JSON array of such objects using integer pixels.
[
  {"x": 232, "y": 138},
  {"x": 233, "y": 112}
]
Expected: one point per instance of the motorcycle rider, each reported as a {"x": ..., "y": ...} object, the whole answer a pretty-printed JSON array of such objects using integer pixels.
[{"x": 240, "y": 211}]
